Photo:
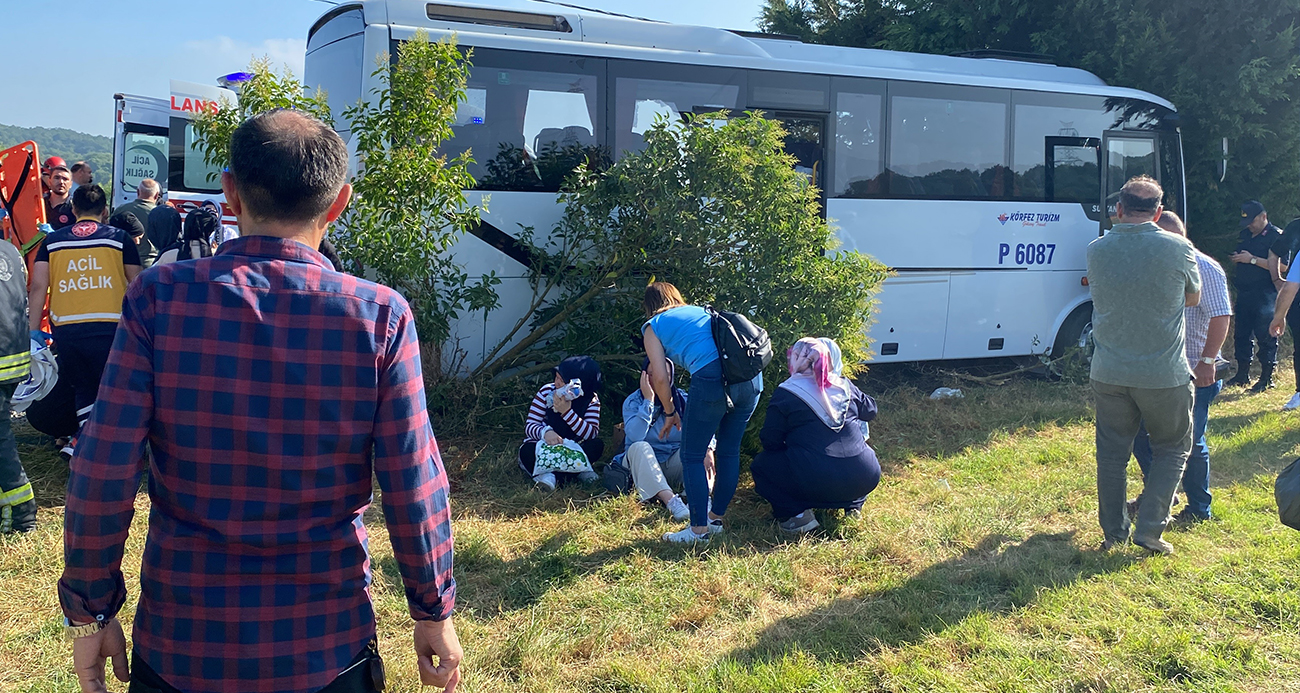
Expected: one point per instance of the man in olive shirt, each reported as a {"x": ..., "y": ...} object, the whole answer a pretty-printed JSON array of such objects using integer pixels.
[{"x": 1141, "y": 279}]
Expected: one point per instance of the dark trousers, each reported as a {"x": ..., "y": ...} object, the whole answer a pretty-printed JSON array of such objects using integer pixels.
[
  {"x": 17, "y": 504},
  {"x": 82, "y": 358},
  {"x": 1254, "y": 314},
  {"x": 528, "y": 456},
  {"x": 1293, "y": 322},
  {"x": 354, "y": 679},
  {"x": 795, "y": 485}
]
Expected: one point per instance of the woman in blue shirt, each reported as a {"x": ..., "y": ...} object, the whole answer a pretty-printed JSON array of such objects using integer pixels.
[{"x": 683, "y": 333}]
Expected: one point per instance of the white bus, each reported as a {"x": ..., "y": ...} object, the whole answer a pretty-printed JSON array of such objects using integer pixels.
[
  {"x": 153, "y": 138},
  {"x": 980, "y": 180}
]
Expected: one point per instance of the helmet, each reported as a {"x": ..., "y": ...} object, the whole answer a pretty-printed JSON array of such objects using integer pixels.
[
  {"x": 53, "y": 163},
  {"x": 40, "y": 380}
]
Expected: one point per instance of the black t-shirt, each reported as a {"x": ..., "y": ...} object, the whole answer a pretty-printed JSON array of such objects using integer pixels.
[
  {"x": 1255, "y": 277},
  {"x": 59, "y": 216},
  {"x": 1288, "y": 245}
]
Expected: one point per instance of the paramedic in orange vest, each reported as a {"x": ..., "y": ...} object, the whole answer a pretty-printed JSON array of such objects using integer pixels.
[{"x": 85, "y": 268}]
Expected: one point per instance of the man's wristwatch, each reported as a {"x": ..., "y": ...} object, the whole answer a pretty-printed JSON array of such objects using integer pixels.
[
  {"x": 1209, "y": 360},
  {"x": 1254, "y": 260},
  {"x": 71, "y": 632}
]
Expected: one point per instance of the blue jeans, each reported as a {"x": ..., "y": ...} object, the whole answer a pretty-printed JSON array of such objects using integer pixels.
[
  {"x": 707, "y": 416},
  {"x": 1196, "y": 479}
]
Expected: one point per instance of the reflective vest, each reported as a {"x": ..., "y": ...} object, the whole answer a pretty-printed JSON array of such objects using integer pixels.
[{"x": 15, "y": 345}]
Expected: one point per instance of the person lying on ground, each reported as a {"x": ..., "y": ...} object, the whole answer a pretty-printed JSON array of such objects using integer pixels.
[
  {"x": 564, "y": 419},
  {"x": 652, "y": 449},
  {"x": 815, "y": 454}
]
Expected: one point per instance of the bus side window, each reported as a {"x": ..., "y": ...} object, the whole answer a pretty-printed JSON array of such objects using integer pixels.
[
  {"x": 947, "y": 142},
  {"x": 673, "y": 92},
  {"x": 1039, "y": 116},
  {"x": 528, "y": 129},
  {"x": 858, "y": 163}
]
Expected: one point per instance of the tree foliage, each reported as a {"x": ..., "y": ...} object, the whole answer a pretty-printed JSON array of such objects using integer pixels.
[
  {"x": 268, "y": 90},
  {"x": 1232, "y": 70},
  {"x": 713, "y": 205},
  {"x": 408, "y": 207}
]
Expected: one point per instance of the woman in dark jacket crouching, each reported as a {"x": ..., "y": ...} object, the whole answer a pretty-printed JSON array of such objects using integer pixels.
[{"x": 815, "y": 453}]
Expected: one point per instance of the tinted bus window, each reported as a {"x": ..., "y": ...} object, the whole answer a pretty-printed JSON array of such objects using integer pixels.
[
  {"x": 527, "y": 126},
  {"x": 859, "y": 136},
  {"x": 947, "y": 142},
  {"x": 1040, "y": 116},
  {"x": 644, "y": 93},
  {"x": 334, "y": 68}
]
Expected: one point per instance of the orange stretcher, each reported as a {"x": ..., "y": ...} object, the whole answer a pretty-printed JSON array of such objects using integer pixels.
[{"x": 22, "y": 196}]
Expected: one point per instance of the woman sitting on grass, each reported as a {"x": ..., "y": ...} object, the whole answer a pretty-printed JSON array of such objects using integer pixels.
[
  {"x": 815, "y": 453},
  {"x": 567, "y": 424},
  {"x": 652, "y": 448}
]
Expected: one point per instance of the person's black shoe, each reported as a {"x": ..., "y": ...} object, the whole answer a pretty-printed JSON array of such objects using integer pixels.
[
  {"x": 1242, "y": 378},
  {"x": 1187, "y": 518},
  {"x": 1265, "y": 380}
]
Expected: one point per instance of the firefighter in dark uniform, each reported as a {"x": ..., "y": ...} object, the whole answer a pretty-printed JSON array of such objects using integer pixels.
[
  {"x": 17, "y": 502},
  {"x": 1256, "y": 295}
]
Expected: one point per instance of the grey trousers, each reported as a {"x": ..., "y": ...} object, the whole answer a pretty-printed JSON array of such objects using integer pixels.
[
  {"x": 1168, "y": 416},
  {"x": 648, "y": 475}
]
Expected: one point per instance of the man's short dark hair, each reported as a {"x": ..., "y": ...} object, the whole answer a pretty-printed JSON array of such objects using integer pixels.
[
  {"x": 89, "y": 199},
  {"x": 287, "y": 166},
  {"x": 1141, "y": 194}
]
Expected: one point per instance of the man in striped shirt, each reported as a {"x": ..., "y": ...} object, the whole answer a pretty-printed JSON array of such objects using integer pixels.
[{"x": 84, "y": 269}]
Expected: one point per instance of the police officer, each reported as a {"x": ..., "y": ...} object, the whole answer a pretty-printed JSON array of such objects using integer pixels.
[
  {"x": 17, "y": 502},
  {"x": 1256, "y": 295}
]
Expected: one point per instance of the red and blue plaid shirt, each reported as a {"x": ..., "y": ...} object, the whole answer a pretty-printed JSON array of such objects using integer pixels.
[{"x": 269, "y": 387}]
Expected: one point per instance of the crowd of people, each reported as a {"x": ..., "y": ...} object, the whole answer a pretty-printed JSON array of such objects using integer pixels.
[{"x": 264, "y": 389}]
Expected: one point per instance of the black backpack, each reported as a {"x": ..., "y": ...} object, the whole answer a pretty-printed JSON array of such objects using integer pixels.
[{"x": 744, "y": 347}]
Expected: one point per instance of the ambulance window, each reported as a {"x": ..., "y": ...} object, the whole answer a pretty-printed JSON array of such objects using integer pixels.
[
  {"x": 189, "y": 170},
  {"x": 145, "y": 157},
  {"x": 337, "y": 68}
]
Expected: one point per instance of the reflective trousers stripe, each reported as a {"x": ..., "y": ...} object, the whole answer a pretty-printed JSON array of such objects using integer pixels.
[
  {"x": 18, "y": 496},
  {"x": 16, "y": 359}
]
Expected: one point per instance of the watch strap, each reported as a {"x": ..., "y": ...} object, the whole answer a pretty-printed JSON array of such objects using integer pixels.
[{"x": 71, "y": 632}]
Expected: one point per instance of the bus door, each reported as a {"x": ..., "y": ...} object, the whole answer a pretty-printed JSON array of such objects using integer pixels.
[
  {"x": 805, "y": 140},
  {"x": 1073, "y": 173},
  {"x": 1124, "y": 155}
]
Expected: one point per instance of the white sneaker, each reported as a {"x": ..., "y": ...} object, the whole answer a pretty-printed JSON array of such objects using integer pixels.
[
  {"x": 687, "y": 536},
  {"x": 588, "y": 477},
  {"x": 545, "y": 482},
  {"x": 1293, "y": 403},
  {"x": 678, "y": 509}
]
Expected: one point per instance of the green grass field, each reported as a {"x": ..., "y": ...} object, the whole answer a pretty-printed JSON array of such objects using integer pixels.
[{"x": 973, "y": 568}]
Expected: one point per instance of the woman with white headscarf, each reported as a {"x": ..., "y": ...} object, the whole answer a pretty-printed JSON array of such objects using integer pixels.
[{"x": 814, "y": 452}]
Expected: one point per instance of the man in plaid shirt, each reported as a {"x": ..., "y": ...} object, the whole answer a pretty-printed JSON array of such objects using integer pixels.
[{"x": 270, "y": 387}]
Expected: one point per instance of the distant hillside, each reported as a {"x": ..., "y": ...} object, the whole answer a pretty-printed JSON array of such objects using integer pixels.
[{"x": 73, "y": 146}]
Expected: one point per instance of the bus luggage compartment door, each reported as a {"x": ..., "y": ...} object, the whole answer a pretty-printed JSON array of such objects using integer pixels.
[
  {"x": 993, "y": 314},
  {"x": 910, "y": 321}
]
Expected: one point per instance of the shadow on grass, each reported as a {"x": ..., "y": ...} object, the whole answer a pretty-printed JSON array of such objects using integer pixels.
[
  {"x": 46, "y": 468},
  {"x": 491, "y": 586},
  {"x": 995, "y": 577}
]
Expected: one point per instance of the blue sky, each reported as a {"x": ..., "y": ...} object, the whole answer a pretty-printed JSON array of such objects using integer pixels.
[{"x": 135, "y": 47}]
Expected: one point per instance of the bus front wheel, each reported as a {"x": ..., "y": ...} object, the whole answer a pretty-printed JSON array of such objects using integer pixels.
[{"x": 1073, "y": 345}]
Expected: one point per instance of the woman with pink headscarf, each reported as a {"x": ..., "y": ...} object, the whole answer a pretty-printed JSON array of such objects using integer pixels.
[{"x": 815, "y": 453}]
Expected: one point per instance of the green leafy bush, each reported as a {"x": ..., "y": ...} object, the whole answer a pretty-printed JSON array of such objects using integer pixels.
[{"x": 712, "y": 205}]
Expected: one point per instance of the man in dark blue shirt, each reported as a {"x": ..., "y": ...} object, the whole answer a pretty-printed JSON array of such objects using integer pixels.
[{"x": 1256, "y": 295}]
